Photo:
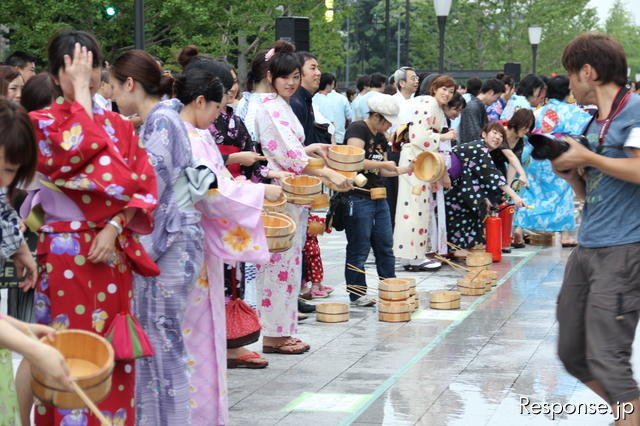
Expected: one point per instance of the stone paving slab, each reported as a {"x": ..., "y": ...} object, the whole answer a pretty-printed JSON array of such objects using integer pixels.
[{"x": 470, "y": 368}]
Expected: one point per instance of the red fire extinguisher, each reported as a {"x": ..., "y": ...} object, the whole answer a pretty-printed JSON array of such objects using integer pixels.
[
  {"x": 493, "y": 230},
  {"x": 505, "y": 212}
]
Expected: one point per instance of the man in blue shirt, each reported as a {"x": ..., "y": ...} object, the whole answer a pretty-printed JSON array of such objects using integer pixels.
[
  {"x": 360, "y": 105},
  {"x": 332, "y": 105},
  {"x": 599, "y": 302}
]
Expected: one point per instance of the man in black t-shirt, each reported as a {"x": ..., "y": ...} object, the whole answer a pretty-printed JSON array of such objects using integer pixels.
[{"x": 368, "y": 224}]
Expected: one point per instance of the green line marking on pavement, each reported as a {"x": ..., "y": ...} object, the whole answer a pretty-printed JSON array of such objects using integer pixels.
[
  {"x": 520, "y": 253},
  {"x": 380, "y": 390},
  {"x": 332, "y": 402},
  {"x": 452, "y": 315}
]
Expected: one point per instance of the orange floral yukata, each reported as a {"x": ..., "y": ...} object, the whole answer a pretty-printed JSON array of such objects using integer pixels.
[{"x": 89, "y": 170}]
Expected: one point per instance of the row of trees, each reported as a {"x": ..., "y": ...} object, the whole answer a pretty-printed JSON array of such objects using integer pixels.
[{"x": 481, "y": 34}]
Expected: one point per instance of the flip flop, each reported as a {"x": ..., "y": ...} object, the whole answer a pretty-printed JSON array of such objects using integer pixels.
[
  {"x": 326, "y": 288},
  {"x": 242, "y": 361}
]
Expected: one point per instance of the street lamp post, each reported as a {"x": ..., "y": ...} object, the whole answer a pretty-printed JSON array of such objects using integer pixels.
[
  {"x": 443, "y": 7},
  {"x": 535, "y": 34},
  {"x": 398, "y": 44},
  {"x": 139, "y": 24}
]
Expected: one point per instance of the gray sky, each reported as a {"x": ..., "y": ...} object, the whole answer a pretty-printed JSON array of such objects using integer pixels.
[{"x": 603, "y": 7}]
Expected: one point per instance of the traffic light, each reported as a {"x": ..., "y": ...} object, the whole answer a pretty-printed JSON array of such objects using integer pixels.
[
  {"x": 328, "y": 13},
  {"x": 110, "y": 11}
]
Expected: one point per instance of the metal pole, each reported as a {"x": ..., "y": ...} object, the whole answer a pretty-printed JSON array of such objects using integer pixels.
[
  {"x": 442, "y": 22},
  {"x": 407, "y": 20},
  {"x": 347, "y": 76},
  {"x": 387, "y": 37},
  {"x": 534, "y": 53},
  {"x": 398, "y": 45},
  {"x": 139, "y": 24}
]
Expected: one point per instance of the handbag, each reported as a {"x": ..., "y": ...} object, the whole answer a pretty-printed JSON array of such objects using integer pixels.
[
  {"x": 243, "y": 325},
  {"x": 338, "y": 211},
  {"x": 126, "y": 335}
]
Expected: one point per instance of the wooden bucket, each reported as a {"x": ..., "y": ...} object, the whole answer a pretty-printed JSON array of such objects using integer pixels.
[
  {"x": 393, "y": 289},
  {"x": 412, "y": 303},
  {"x": 89, "y": 358},
  {"x": 411, "y": 281},
  {"x": 277, "y": 225},
  {"x": 348, "y": 175},
  {"x": 315, "y": 228},
  {"x": 346, "y": 158},
  {"x": 469, "y": 288},
  {"x": 479, "y": 268},
  {"x": 320, "y": 201},
  {"x": 275, "y": 206},
  {"x": 489, "y": 274},
  {"x": 429, "y": 166},
  {"x": 303, "y": 187},
  {"x": 394, "y": 311},
  {"x": 378, "y": 193},
  {"x": 444, "y": 299},
  {"x": 541, "y": 239},
  {"x": 479, "y": 258},
  {"x": 279, "y": 230},
  {"x": 332, "y": 312},
  {"x": 315, "y": 163}
]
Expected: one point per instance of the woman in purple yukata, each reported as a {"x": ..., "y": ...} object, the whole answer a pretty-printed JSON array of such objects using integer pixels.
[
  {"x": 162, "y": 382},
  {"x": 229, "y": 237}
]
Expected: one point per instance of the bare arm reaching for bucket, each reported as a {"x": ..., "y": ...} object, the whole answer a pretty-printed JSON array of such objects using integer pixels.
[{"x": 15, "y": 335}]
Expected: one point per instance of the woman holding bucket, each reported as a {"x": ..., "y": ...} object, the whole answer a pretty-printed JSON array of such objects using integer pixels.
[
  {"x": 368, "y": 223},
  {"x": 227, "y": 236},
  {"x": 418, "y": 230},
  {"x": 94, "y": 198},
  {"x": 281, "y": 137}
]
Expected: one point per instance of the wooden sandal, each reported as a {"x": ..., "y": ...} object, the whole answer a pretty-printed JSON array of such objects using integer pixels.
[
  {"x": 279, "y": 349},
  {"x": 243, "y": 361}
]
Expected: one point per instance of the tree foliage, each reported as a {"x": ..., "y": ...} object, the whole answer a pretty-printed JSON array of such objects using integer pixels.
[
  {"x": 224, "y": 28},
  {"x": 480, "y": 34},
  {"x": 620, "y": 24}
]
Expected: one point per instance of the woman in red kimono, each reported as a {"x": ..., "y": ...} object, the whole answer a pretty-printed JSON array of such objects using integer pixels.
[{"x": 97, "y": 189}]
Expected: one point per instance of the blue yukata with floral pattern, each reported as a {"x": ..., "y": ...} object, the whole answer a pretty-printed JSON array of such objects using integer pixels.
[
  {"x": 551, "y": 195},
  {"x": 162, "y": 384}
]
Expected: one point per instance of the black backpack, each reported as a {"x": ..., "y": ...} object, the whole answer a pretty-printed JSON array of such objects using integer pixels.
[{"x": 338, "y": 212}]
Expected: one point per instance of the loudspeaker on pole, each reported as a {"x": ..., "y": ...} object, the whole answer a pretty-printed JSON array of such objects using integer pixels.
[{"x": 294, "y": 29}]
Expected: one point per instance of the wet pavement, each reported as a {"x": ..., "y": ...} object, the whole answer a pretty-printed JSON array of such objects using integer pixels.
[{"x": 473, "y": 366}]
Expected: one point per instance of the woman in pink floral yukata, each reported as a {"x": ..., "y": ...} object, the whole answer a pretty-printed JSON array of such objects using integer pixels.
[{"x": 281, "y": 136}]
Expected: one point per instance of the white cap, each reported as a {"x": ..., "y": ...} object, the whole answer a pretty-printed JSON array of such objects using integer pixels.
[{"x": 385, "y": 105}]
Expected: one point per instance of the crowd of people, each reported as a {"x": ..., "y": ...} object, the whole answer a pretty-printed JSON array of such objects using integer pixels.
[{"x": 132, "y": 178}]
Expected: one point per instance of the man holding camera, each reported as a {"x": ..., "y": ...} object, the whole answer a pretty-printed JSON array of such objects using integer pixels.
[{"x": 599, "y": 302}]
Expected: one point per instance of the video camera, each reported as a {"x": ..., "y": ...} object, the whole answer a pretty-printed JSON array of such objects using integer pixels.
[{"x": 548, "y": 148}]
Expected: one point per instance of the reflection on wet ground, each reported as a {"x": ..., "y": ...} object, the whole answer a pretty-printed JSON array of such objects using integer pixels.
[{"x": 475, "y": 368}]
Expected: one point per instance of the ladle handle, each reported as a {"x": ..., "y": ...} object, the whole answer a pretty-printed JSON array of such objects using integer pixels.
[{"x": 89, "y": 403}]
